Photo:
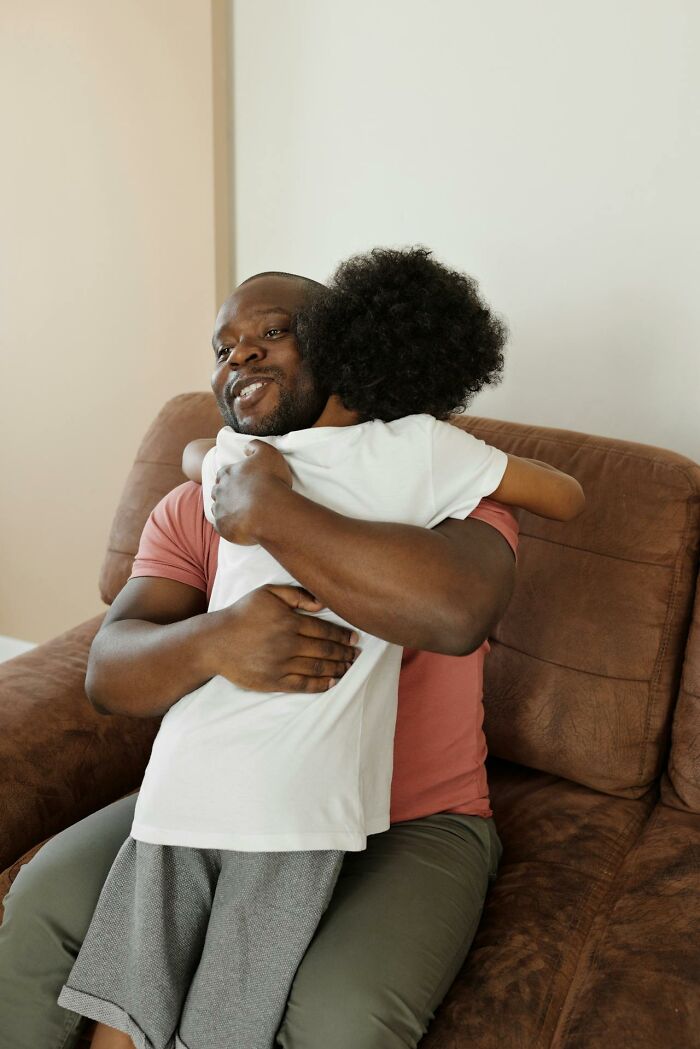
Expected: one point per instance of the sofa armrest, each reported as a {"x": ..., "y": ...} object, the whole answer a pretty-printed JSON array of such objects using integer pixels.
[{"x": 59, "y": 759}]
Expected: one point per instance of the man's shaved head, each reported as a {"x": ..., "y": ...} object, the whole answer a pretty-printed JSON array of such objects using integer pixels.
[{"x": 306, "y": 282}]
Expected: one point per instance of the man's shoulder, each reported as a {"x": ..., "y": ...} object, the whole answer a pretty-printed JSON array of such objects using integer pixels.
[
  {"x": 180, "y": 517},
  {"x": 177, "y": 541},
  {"x": 181, "y": 507}
]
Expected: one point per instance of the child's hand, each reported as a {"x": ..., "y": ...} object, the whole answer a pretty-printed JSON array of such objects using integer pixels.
[{"x": 193, "y": 456}]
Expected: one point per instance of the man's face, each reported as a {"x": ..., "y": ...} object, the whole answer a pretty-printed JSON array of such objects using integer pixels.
[{"x": 254, "y": 343}]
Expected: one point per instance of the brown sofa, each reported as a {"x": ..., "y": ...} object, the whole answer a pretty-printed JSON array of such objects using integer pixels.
[{"x": 591, "y": 934}]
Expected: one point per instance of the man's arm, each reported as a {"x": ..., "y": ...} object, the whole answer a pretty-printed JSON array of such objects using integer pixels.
[
  {"x": 158, "y": 642},
  {"x": 441, "y": 589}
]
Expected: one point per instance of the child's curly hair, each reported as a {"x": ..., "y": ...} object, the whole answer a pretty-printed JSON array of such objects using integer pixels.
[{"x": 396, "y": 333}]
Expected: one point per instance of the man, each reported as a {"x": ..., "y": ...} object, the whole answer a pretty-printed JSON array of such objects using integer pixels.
[{"x": 404, "y": 911}]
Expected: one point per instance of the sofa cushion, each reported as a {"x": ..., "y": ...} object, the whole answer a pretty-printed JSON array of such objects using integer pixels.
[
  {"x": 564, "y": 846},
  {"x": 638, "y": 979},
  {"x": 586, "y": 663},
  {"x": 680, "y": 786},
  {"x": 59, "y": 759}
]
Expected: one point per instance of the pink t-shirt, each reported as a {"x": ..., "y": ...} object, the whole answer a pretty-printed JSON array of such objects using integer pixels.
[{"x": 439, "y": 746}]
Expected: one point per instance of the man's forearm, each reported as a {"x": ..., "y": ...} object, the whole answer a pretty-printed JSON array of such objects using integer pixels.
[
  {"x": 405, "y": 584},
  {"x": 140, "y": 669}
]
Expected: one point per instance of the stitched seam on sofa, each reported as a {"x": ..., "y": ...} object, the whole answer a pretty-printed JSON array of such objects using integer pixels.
[
  {"x": 578, "y": 920},
  {"x": 654, "y": 691},
  {"x": 600, "y": 876},
  {"x": 674, "y": 772},
  {"x": 565, "y": 666},
  {"x": 597, "y": 553},
  {"x": 159, "y": 462},
  {"x": 523, "y": 535},
  {"x": 686, "y": 470},
  {"x": 613, "y": 896}
]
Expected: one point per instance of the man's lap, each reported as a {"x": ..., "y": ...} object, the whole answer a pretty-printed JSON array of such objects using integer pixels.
[{"x": 398, "y": 927}]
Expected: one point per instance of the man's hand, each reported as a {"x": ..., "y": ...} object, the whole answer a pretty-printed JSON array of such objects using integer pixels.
[
  {"x": 439, "y": 589},
  {"x": 241, "y": 487},
  {"x": 158, "y": 642},
  {"x": 262, "y": 642}
]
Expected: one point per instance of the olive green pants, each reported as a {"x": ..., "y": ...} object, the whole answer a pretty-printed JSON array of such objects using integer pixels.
[{"x": 400, "y": 923}]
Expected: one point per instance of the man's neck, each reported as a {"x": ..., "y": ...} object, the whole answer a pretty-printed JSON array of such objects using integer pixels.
[{"x": 336, "y": 414}]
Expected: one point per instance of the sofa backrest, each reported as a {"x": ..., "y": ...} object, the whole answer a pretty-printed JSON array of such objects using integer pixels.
[
  {"x": 585, "y": 666},
  {"x": 680, "y": 786},
  {"x": 156, "y": 471}
]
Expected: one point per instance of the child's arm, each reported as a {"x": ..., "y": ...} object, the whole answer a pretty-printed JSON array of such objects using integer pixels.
[
  {"x": 541, "y": 489},
  {"x": 193, "y": 456}
]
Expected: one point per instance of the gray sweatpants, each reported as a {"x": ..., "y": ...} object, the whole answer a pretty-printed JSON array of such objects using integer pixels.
[{"x": 199, "y": 947}]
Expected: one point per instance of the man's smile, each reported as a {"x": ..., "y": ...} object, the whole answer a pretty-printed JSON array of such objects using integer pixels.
[{"x": 248, "y": 392}]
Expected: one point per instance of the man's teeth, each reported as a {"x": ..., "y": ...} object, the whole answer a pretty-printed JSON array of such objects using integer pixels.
[{"x": 246, "y": 391}]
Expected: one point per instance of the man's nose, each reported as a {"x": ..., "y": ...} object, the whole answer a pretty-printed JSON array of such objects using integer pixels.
[{"x": 245, "y": 350}]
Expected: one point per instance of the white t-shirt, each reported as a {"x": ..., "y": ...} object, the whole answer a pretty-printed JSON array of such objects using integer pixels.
[{"x": 232, "y": 768}]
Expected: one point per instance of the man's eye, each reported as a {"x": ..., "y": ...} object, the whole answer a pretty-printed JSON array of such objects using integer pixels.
[
  {"x": 223, "y": 352},
  {"x": 275, "y": 331}
]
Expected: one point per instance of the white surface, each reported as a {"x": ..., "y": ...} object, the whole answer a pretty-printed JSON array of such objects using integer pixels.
[
  {"x": 550, "y": 149},
  {"x": 12, "y": 646}
]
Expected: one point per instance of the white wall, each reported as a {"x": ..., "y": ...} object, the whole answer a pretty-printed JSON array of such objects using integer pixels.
[
  {"x": 107, "y": 273},
  {"x": 550, "y": 148}
]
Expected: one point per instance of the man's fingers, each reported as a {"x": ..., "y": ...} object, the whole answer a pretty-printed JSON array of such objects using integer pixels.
[
  {"x": 301, "y": 600},
  {"x": 310, "y": 626},
  {"x": 299, "y": 683},
  {"x": 316, "y": 668},
  {"x": 322, "y": 648},
  {"x": 296, "y": 597}
]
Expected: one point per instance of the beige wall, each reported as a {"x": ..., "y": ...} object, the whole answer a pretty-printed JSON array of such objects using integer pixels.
[
  {"x": 549, "y": 148},
  {"x": 107, "y": 273}
]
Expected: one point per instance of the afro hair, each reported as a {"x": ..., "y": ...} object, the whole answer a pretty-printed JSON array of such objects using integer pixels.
[{"x": 396, "y": 333}]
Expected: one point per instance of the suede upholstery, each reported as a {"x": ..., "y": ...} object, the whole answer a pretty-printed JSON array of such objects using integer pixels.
[
  {"x": 591, "y": 935},
  {"x": 680, "y": 785}
]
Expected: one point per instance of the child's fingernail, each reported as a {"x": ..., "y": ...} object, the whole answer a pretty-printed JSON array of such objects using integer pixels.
[{"x": 354, "y": 637}]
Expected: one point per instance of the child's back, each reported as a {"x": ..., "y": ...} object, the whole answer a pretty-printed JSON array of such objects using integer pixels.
[{"x": 237, "y": 769}]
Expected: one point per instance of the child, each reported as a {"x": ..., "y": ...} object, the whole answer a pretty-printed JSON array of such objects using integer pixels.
[{"x": 250, "y": 799}]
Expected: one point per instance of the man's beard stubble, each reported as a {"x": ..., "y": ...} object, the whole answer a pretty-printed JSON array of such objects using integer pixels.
[{"x": 295, "y": 410}]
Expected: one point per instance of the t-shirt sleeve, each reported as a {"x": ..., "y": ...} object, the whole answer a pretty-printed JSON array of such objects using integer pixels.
[
  {"x": 175, "y": 539},
  {"x": 499, "y": 517},
  {"x": 464, "y": 470}
]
